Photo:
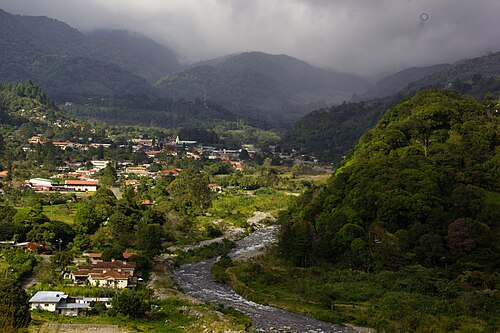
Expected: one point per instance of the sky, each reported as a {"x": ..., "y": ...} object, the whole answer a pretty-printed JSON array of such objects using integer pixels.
[{"x": 365, "y": 37}]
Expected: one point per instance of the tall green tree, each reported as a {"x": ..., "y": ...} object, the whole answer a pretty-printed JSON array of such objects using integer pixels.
[
  {"x": 14, "y": 307},
  {"x": 190, "y": 193}
]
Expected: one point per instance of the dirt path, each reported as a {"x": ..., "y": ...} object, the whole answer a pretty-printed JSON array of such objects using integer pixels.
[
  {"x": 78, "y": 328},
  {"x": 31, "y": 280}
]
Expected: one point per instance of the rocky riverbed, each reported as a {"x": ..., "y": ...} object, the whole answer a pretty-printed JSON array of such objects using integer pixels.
[{"x": 196, "y": 281}]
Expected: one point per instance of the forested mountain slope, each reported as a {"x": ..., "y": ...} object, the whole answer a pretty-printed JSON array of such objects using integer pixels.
[
  {"x": 329, "y": 134},
  {"x": 277, "y": 88},
  {"x": 69, "y": 64},
  {"x": 139, "y": 54},
  {"x": 421, "y": 187},
  {"x": 396, "y": 82},
  {"x": 475, "y": 76}
]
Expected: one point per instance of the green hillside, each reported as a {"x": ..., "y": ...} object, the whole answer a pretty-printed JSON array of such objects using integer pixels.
[
  {"x": 329, "y": 134},
  {"x": 276, "y": 88},
  {"x": 392, "y": 84},
  {"x": 67, "y": 63},
  {"x": 475, "y": 76},
  {"x": 422, "y": 187}
]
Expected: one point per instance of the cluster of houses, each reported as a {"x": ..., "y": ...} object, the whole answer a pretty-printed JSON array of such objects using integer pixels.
[
  {"x": 116, "y": 274},
  {"x": 113, "y": 274},
  {"x": 92, "y": 270},
  {"x": 38, "y": 140},
  {"x": 70, "y": 185},
  {"x": 62, "y": 304}
]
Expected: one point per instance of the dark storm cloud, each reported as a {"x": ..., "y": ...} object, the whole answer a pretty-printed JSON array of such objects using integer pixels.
[{"x": 367, "y": 37}]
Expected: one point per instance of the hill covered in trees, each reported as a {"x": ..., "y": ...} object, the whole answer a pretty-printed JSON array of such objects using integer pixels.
[
  {"x": 421, "y": 188},
  {"x": 277, "y": 88},
  {"x": 70, "y": 64},
  {"x": 329, "y": 134},
  {"x": 475, "y": 76},
  {"x": 392, "y": 84}
]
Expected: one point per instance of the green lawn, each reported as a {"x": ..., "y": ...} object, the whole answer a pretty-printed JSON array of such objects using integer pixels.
[{"x": 63, "y": 212}]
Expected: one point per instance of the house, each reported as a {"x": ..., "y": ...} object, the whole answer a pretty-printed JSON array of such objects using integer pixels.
[
  {"x": 93, "y": 256},
  {"x": 137, "y": 170},
  {"x": 173, "y": 172},
  {"x": 30, "y": 246},
  {"x": 81, "y": 185},
  {"x": 61, "y": 304},
  {"x": 115, "y": 274},
  {"x": 47, "y": 300},
  {"x": 35, "y": 140},
  {"x": 237, "y": 165},
  {"x": 112, "y": 279},
  {"x": 39, "y": 184},
  {"x": 181, "y": 143},
  {"x": 132, "y": 183},
  {"x": 63, "y": 145},
  {"x": 153, "y": 153},
  {"x": 71, "y": 308},
  {"x": 99, "y": 165},
  {"x": 89, "y": 300}
]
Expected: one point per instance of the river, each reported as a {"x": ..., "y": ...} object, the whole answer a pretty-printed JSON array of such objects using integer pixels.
[{"x": 196, "y": 280}]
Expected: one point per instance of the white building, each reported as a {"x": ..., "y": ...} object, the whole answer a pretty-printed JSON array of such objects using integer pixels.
[
  {"x": 81, "y": 185},
  {"x": 61, "y": 304},
  {"x": 98, "y": 165},
  {"x": 39, "y": 184},
  {"x": 47, "y": 300}
]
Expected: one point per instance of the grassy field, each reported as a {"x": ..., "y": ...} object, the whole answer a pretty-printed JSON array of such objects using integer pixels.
[
  {"x": 417, "y": 300},
  {"x": 63, "y": 212},
  {"x": 236, "y": 206}
]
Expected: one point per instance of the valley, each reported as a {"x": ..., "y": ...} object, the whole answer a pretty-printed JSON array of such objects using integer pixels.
[{"x": 182, "y": 169}]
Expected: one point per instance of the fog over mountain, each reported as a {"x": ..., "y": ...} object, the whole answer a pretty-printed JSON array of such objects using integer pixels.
[{"x": 369, "y": 38}]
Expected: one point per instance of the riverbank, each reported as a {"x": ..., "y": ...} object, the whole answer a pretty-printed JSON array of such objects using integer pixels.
[{"x": 196, "y": 280}]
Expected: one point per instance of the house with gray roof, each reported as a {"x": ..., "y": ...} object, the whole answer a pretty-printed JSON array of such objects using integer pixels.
[{"x": 61, "y": 304}]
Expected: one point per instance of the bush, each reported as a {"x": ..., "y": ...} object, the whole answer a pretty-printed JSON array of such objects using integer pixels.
[{"x": 129, "y": 303}]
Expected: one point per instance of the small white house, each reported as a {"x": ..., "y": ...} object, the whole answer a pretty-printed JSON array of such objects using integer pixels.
[
  {"x": 47, "y": 300},
  {"x": 59, "y": 303}
]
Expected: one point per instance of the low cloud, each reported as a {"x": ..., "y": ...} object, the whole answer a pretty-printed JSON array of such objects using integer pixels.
[{"x": 363, "y": 37}]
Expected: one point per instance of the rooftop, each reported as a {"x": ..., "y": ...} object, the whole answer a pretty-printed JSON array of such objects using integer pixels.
[{"x": 48, "y": 297}]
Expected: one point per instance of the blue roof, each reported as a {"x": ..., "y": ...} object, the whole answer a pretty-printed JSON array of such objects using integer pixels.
[{"x": 48, "y": 297}]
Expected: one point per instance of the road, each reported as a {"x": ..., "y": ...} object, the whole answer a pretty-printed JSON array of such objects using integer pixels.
[{"x": 116, "y": 192}]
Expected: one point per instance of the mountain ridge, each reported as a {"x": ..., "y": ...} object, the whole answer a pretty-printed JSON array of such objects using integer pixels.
[{"x": 261, "y": 83}]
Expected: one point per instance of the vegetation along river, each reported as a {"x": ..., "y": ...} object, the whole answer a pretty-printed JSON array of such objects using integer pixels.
[{"x": 196, "y": 280}]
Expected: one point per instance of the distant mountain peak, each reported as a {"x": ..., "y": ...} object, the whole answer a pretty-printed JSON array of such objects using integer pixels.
[{"x": 277, "y": 88}]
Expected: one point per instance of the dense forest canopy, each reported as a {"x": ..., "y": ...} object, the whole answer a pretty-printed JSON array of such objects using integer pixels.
[
  {"x": 422, "y": 187},
  {"x": 328, "y": 134}
]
